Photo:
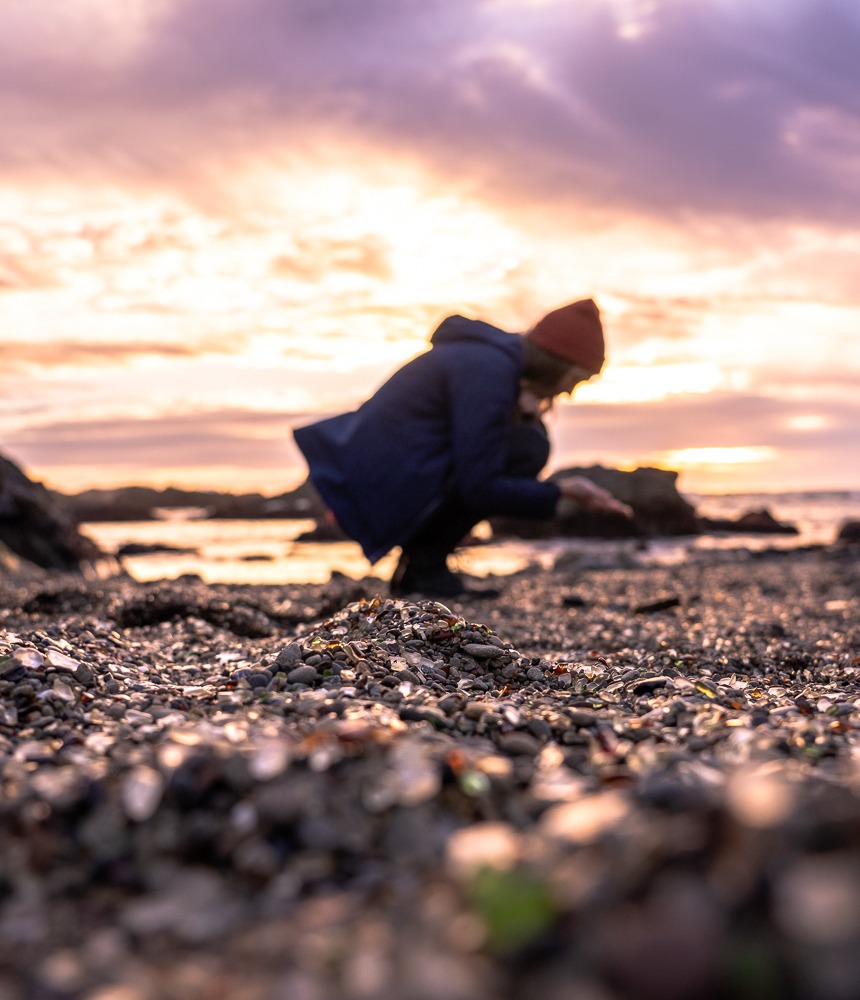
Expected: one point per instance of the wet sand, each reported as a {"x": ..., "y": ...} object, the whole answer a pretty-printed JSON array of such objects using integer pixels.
[{"x": 606, "y": 783}]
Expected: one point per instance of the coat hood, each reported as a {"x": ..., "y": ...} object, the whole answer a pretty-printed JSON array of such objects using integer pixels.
[{"x": 459, "y": 330}]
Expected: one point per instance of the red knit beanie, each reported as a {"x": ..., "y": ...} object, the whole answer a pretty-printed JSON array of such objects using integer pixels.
[{"x": 574, "y": 333}]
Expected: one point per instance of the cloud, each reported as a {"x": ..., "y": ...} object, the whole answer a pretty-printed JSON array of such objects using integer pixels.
[
  {"x": 716, "y": 420},
  {"x": 17, "y": 274},
  {"x": 211, "y": 438},
  {"x": 16, "y": 355},
  {"x": 744, "y": 108},
  {"x": 19, "y": 356},
  {"x": 313, "y": 259}
]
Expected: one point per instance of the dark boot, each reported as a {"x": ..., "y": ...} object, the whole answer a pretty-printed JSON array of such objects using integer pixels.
[
  {"x": 433, "y": 581},
  {"x": 423, "y": 567}
]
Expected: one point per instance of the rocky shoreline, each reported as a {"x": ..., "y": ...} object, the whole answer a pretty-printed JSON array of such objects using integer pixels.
[{"x": 605, "y": 784}]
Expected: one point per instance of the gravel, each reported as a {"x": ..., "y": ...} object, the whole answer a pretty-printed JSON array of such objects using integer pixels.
[{"x": 607, "y": 783}]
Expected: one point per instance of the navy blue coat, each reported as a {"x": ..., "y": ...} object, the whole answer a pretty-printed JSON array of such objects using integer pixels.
[{"x": 439, "y": 425}]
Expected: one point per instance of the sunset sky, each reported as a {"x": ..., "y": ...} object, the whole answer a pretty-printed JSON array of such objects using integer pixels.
[{"x": 220, "y": 218}]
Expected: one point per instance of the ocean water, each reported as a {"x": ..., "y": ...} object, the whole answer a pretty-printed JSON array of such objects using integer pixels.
[{"x": 267, "y": 551}]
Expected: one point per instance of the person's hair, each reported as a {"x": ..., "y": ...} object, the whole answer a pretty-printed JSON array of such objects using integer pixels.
[{"x": 542, "y": 368}]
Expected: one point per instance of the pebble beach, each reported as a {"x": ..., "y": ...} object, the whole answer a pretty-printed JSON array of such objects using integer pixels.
[{"x": 608, "y": 782}]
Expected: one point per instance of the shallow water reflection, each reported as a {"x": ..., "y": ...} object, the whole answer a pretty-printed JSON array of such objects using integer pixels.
[{"x": 266, "y": 552}]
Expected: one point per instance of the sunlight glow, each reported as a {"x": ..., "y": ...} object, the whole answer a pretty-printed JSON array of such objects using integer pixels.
[
  {"x": 649, "y": 383},
  {"x": 808, "y": 422},
  {"x": 688, "y": 458}
]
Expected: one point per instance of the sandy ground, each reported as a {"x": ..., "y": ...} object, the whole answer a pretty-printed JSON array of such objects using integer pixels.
[{"x": 606, "y": 783}]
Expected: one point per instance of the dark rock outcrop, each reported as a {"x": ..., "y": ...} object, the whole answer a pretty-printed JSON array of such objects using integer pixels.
[
  {"x": 849, "y": 531},
  {"x": 151, "y": 549},
  {"x": 142, "y": 503},
  {"x": 303, "y": 501},
  {"x": 658, "y": 509},
  {"x": 753, "y": 522},
  {"x": 37, "y": 527}
]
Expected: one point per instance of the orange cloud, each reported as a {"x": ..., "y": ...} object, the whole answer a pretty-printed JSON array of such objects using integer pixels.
[
  {"x": 312, "y": 259},
  {"x": 20, "y": 356}
]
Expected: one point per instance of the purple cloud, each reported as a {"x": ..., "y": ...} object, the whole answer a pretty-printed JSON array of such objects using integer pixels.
[{"x": 739, "y": 108}]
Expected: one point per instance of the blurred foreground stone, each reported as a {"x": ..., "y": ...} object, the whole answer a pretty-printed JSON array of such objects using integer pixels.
[{"x": 314, "y": 793}]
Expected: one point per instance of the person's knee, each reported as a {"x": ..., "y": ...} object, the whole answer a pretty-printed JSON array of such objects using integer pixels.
[{"x": 528, "y": 450}]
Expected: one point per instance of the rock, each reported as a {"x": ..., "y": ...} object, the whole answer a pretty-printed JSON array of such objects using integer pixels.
[
  {"x": 573, "y": 600},
  {"x": 162, "y": 604},
  {"x": 303, "y": 675},
  {"x": 659, "y": 604},
  {"x": 142, "y": 503},
  {"x": 324, "y": 531},
  {"x": 759, "y": 522},
  {"x": 582, "y": 718},
  {"x": 849, "y": 531},
  {"x": 39, "y": 528},
  {"x": 151, "y": 548},
  {"x": 658, "y": 508},
  {"x": 482, "y": 651},
  {"x": 133, "y": 503},
  {"x": 518, "y": 743},
  {"x": 303, "y": 501},
  {"x": 290, "y": 656},
  {"x": 647, "y": 685},
  {"x": 763, "y": 521}
]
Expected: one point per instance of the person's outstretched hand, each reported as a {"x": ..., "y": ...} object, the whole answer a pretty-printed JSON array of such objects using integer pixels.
[{"x": 590, "y": 496}]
